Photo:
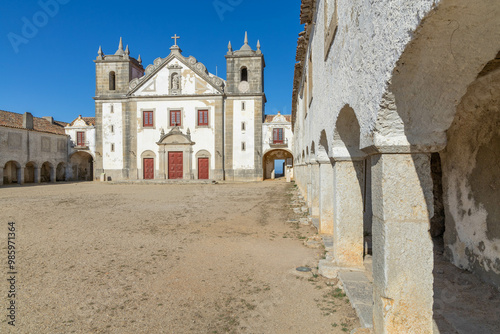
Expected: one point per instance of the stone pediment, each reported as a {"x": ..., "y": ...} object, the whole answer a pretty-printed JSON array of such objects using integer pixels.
[
  {"x": 190, "y": 62},
  {"x": 175, "y": 137}
]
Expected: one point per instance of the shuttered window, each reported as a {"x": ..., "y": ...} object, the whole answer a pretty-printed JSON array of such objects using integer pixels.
[
  {"x": 175, "y": 118},
  {"x": 80, "y": 138},
  {"x": 147, "y": 118},
  {"x": 203, "y": 117},
  {"x": 278, "y": 136}
]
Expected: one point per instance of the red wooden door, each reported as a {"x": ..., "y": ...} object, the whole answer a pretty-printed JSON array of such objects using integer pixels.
[
  {"x": 175, "y": 165},
  {"x": 149, "y": 169},
  {"x": 203, "y": 168}
]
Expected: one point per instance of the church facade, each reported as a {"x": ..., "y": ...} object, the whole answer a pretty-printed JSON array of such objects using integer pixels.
[{"x": 175, "y": 120}]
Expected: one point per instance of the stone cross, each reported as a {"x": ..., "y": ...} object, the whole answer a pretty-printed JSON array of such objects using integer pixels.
[{"x": 175, "y": 37}]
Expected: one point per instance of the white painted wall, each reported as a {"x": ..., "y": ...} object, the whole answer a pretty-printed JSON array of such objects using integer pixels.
[
  {"x": 112, "y": 160},
  {"x": 89, "y": 136},
  {"x": 267, "y": 134},
  {"x": 243, "y": 159},
  {"x": 204, "y": 137}
]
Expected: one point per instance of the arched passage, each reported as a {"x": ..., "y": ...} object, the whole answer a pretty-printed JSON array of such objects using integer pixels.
[
  {"x": 46, "y": 172},
  {"x": 29, "y": 172},
  {"x": 12, "y": 172},
  {"x": 82, "y": 166},
  {"x": 61, "y": 172},
  {"x": 269, "y": 161}
]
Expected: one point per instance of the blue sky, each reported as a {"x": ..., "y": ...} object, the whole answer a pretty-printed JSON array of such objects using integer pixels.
[{"x": 48, "y": 69}]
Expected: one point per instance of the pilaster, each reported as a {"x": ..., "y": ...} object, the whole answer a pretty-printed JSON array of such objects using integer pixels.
[{"x": 315, "y": 189}]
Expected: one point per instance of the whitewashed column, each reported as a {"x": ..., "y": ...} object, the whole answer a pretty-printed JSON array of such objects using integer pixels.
[
  {"x": 325, "y": 197},
  {"x": 348, "y": 184},
  {"x": 402, "y": 245},
  {"x": 315, "y": 188}
]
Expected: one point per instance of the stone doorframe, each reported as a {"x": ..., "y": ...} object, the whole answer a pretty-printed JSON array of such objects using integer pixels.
[{"x": 176, "y": 141}]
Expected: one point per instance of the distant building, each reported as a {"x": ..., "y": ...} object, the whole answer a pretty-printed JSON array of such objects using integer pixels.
[
  {"x": 82, "y": 148},
  {"x": 277, "y": 139},
  {"x": 32, "y": 149},
  {"x": 175, "y": 120}
]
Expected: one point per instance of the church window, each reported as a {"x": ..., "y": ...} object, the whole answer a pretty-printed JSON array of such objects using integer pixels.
[
  {"x": 112, "y": 147},
  {"x": 243, "y": 146},
  {"x": 111, "y": 109},
  {"x": 112, "y": 129},
  {"x": 203, "y": 117},
  {"x": 147, "y": 119},
  {"x": 278, "y": 136},
  {"x": 244, "y": 74},
  {"x": 80, "y": 138},
  {"x": 112, "y": 81},
  {"x": 243, "y": 106},
  {"x": 175, "y": 118},
  {"x": 243, "y": 126}
]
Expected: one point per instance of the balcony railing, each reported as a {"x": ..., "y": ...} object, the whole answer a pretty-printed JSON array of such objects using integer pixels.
[
  {"x": 278, "y": 143},
  {"x": 80, "y": 146}
]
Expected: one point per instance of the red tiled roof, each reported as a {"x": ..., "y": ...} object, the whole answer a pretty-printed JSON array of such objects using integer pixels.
[
  {"x": 269, "y": 118},
  {"x": 87, "y": 120},
  {"x": 15, "y": 120}
]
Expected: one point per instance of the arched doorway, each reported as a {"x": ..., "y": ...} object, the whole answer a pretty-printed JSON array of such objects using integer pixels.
[
  {"x": 45, "y": 172},
  {"x": 61, "y": 172},
  {"x": 29, "y": 173},
  {"x": 12, "y": 172},
  {"x": 82, "y": 166},
  {"x": 271, "y": 158}
]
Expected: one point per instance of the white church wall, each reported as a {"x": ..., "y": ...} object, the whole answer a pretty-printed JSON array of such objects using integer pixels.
[
  {"x": 202, "y": 136},
  {"x": 243, "y": 159},
  {"x": 112, "y": 137}
]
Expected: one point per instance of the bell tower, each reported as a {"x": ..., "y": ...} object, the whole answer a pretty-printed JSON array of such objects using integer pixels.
[
  {"x": 244, "y": 112},
  {"x": 114, "y": 72}
]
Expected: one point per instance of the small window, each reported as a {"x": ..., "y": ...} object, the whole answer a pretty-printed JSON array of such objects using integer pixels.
[
  {"x": 278, "y": 136},
  {"x": 111, "y": 109},
  {"x": 112, "y": 129},
  {"x": 203, "y": 117},
  {"x": 112, "y": 147},
  {"x": 112, "y": 80},
  {"x": 244, "y": 74},
  {"x": 147, "y": 119},
  {"x": 243, "y": 106},
  {"x": 175, "y": 118},
  {"x": 243, "y": 126},
  {"x": 80, "y": 138},
  {"x": 243, "y": 146}
]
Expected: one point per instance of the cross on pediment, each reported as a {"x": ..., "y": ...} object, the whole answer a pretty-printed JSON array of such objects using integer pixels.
[{"x": 175, "y": 37}]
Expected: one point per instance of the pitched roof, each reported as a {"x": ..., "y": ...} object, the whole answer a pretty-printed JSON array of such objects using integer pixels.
[
  {"x": 15, "y": 120},
  {"x": 88, "y": 120}
]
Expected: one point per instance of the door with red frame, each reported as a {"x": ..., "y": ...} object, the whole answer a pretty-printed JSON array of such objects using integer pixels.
[
  {"x": 203, "y": 169},
  {"x": 149, "y": 169},
  {"x": 175, "y": 165}
]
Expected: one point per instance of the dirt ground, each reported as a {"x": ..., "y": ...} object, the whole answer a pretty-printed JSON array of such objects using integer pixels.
[{"x": 101, "y": 258}]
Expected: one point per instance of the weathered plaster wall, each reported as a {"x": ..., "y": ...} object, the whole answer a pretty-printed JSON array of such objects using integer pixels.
[
  {"x": 112, "y": 160},
  {"x": 471, "y": 178},
  {"x": 243, "y": 159}
]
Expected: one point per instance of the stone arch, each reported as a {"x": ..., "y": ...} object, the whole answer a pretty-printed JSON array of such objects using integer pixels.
[
  {"x": 112, "y": 80},
  {"x": 434, "y": 71},
  {"x": 12, "y": 172},
  {"x": 61, "y": 172},
  {"x": 270, "y": 156},
  {"x": 244, "y": 73},
  {"x": 346, "y": 139},
  {"x": 471, "y": 180},
  {"x": 30, "y": 172},
  {"x": 46, "y": 172},
  {"x": 82, "y": 166}
]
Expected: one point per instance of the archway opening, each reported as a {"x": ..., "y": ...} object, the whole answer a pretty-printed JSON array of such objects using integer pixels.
[
  {"x": 269, "y": 162},
  {"x": 45, "y": 172},
  {"x": 61, "y": 172},
  {"x": 29, "y": 173},
  {"x": 82, "y": 166},
  {"x": 12, "y": 172}
]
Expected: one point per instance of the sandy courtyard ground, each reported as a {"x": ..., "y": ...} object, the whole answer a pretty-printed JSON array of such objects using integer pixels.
[{"x": 101, "y": 258}]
